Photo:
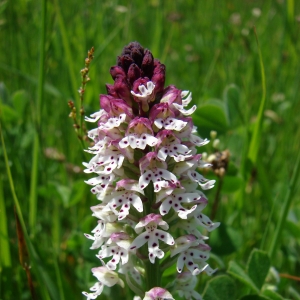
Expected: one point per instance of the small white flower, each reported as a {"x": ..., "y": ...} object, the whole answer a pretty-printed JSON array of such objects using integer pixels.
[
  {"x": 136, "y": 141},
  {"x": 97, "y": 289},
  {"x": 170, "y": 124},
  {"x": 95, "y": 116},
  {"x": 175, "y": 201},
  {"x": 203, "y": 182},
  {"x": 117, "y": 247},
  {"x": 156, "y": 175},
  {"x": 107, "y": 277},
  {"x": 102, "y": 232},
  {"x": 113, "y": 122},
  {"x": 196, "y": 140},
  {"x": 204, "y": 221},
  {"x": 145, "y": 91},
  {"x": 152, "y": 235},
  {"x": 183, "y": 111},
  {"x": 125, "y": 200},
  {"x": 186, "y": 98}
]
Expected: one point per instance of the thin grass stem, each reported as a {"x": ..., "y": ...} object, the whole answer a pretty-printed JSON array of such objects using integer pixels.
[
  {"x": 5, "y": 258},
  {"x": 38, "y": 113},
  {"x": 285, "y": 208},
  {"x": 256, "y": 135}
]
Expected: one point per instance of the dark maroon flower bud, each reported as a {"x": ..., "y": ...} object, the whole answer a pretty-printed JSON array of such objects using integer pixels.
[
  {"x": 158, "y": 77},
  {"x": 171, "y": 95},
  {"x": 161, "y": 110},
  {"x": 111, "y": 90},
  {"x": 134, "y": 72},
  {"x": 122, "y": 88},
  {"x": 137, "y": 56},
  {"x": 147, "y": 64},
  {"x": 105, "y": 102},
  {"x": 125, "y": 61},
  {"x": 114, "y": 106},
  {"x": 131, "y": 46},
  {"x": 135, "y": 51},
  {"x": 117, "y": 71}
]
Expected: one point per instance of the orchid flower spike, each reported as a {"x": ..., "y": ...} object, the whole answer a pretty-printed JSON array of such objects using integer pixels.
[{"x": 147, "y": 182}]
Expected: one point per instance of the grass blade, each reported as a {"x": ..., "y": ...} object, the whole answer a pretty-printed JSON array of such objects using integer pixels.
[
  {"x": 285, "y": 208},
  {"x": 256, "y": 135},
  {"x": 35, "y": 153},
  {"x": 24, "y": 256},
  {"x": 5, "y": 259}
]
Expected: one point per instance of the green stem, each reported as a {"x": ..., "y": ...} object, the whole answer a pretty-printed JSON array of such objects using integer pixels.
[
  {"x": 217, "y": 199},
  {"x": 33, "y": 185},
  {"x": 58, "y": 278},
  {"x": 5, "y": 258},
  {"x": 285, "y": 208},
  {"x": 35, "y": 153},
  {"x": 153, "y": 272},
  {"x": 290, "y": 11}
]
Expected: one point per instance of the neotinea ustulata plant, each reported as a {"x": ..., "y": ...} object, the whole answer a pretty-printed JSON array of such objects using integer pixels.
[{"x": 148, "y": 184}]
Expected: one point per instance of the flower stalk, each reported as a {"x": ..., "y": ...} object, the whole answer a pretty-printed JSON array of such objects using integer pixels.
[{"x": 147, "y": 182}]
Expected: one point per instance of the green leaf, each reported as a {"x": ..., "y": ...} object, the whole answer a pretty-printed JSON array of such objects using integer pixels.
[
  {"x": 272, "y": 295},
  {"x": 8, "y": 114},
  {"x": 293, "y": 228},
  {"x": 78, "y": 191},
  {"x": 232, "y": 101},
  {"x": 220, "y": 288},
  {"x": 258, "y": 267},
  {"x": 64, "y": 193},
  {"x": 211, "y": 116},
  {"x": 236, "y": 271},
  {"x": 20, "y": 99}
]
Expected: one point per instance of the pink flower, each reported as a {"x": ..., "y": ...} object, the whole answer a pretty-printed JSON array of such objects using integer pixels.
[{"x": 158, "y": 293}]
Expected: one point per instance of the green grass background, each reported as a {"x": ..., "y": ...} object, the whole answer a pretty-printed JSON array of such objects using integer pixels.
[{"x": 209, "y": 47}]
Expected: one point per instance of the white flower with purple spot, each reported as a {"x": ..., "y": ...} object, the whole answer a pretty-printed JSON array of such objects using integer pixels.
[
  {"x": 117, "y": 246},
  {"x": 152, "y": 235}
]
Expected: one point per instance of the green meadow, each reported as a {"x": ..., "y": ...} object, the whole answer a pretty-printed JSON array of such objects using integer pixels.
[{"x": 240, "y": 60}]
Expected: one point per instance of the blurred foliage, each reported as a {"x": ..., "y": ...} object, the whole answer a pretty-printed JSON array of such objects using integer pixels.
[{"x": 209, "y": 48}]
